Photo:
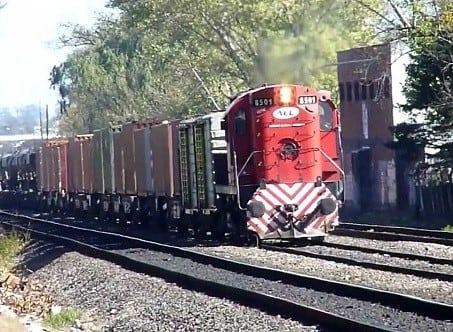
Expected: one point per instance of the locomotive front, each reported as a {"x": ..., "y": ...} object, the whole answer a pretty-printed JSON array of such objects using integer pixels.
[{"x": 281, "y": 161}]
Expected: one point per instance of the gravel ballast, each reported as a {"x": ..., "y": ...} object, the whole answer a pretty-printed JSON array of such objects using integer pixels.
[
  {"x": 371, "y": 313},
  {"x": 128, "y": 301},
  {"x": 418, "y": 248},
  {"x": 425, "y": 288}
]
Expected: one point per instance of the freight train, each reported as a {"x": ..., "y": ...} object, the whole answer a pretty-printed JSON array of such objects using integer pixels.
[{"x": 269, "y": 166}]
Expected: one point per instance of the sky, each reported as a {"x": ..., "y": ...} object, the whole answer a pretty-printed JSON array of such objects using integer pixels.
[{"x": 29, "y": 30}]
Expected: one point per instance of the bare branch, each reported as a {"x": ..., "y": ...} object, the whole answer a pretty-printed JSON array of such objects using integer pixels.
[
  {"x": 374, "y": 11},
  {"x": 400, "y": 15}
]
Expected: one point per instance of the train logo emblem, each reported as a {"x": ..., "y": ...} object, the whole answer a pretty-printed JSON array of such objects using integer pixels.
[{"x": 285, "y": 113}]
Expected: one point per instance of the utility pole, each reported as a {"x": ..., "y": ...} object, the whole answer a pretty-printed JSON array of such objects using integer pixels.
[
  {"x": 40, "y": 122},
  {"x": 47, "y": 122}
]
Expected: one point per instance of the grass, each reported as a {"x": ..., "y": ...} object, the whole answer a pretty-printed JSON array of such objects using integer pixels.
[
  {"x": 448, "y": 228},
  {"x": 65, "y": 318},
  {"x": 11, "y": 244}
]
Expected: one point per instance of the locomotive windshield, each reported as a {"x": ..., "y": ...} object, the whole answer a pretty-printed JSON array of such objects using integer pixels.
[{"x": 325, "y": 115}]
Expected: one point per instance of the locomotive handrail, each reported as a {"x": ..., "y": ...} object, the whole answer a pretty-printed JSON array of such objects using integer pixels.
[
  {"x": 332, "y": 162},
  {"x": 248, "y": 160}
]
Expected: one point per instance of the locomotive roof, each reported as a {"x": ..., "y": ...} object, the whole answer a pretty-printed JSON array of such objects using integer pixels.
[{"x": 238, "y": 96}]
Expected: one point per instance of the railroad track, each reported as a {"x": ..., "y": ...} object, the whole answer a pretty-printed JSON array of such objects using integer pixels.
[
  {"x": 271, "y": 290},
  {"x": 392, "y": 253},
  {"x": 369, "y": 264},
  {"x": 393, "y": 233}
]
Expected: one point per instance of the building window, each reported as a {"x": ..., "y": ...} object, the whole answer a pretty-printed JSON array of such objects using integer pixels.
[
  {"x": 341, "y": 91},
  {"x": 372, "y": 90},
  {"x": 348, "y": 91},
  {"x": 387, "y": 87},
  {"x": 356, "y": 90},
  {"x": 364, "y": 91}
]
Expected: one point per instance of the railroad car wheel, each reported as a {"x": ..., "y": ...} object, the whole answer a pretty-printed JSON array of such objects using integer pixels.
[
  {"x": 183, "y": 225},
  {"x": 52, "y": 206},
  {"x": 218, "y": 227},
  {"x": 102, "y": 213},
  {"x": 136, "y": 216},
  {"x": 198, "y": 230},
  {"x": 162, "y": 221},
  {"x": 92, "y": 212},
  {"x": 122, "y": 218},
  {"x": 71, "y": 208},
  {"x": 42, "y": 203}
]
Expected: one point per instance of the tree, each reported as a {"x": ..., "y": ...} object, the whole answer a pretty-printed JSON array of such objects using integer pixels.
[
  {"x": 170, "y": 58},
  {"x": 429, "y": 88}
]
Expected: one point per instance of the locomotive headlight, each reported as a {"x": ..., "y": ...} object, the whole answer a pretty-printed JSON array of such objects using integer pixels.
[{"x": 286, "y": 95}]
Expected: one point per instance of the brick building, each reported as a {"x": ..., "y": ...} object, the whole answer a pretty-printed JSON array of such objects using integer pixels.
[{"x": 370, "y": 89}]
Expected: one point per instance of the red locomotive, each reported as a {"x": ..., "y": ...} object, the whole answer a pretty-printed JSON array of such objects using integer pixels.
[{"x": 267, "y": 167}]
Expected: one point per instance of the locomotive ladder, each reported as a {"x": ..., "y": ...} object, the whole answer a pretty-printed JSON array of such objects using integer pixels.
[
  {"x": 200, "y": 164},
  {"x": 184, "y": 164}
]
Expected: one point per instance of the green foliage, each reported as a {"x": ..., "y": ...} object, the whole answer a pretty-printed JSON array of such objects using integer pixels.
[
  {"x": 428, "y": 31},
  {"x": 145, "y": 62},
  {"x": 408, "y": 141},
  {"x": 11, "y": 244},
  {"x": 448, "y": 228},
  {"x": 65, "y": 318}
]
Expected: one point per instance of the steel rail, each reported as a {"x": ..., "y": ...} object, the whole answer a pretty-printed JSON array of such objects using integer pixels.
[
  {"x": 399, "y": 254},
  {"x": 362, "y": 263},
  {"x": 436, "y": 310},
  {"x": 386, "y": 236},
  {"x": 398, "y": 229},
  {"x": 268, "y": 303}
]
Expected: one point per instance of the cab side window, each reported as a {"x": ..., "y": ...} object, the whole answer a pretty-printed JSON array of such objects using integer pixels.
[
  {"x": 240, "y": 123},
  {"x": 325, "y": 116}
]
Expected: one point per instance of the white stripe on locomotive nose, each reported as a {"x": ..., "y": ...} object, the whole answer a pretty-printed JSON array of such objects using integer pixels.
[
  {"x": 302, "y": 193},
  {"x": 316, "y": 202},
  {"x": 278, "y": 193},
  {"x": 307, "y": 203},
  {"x": 271, "y": 198},
  {"x": 290, "y": 190}
]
